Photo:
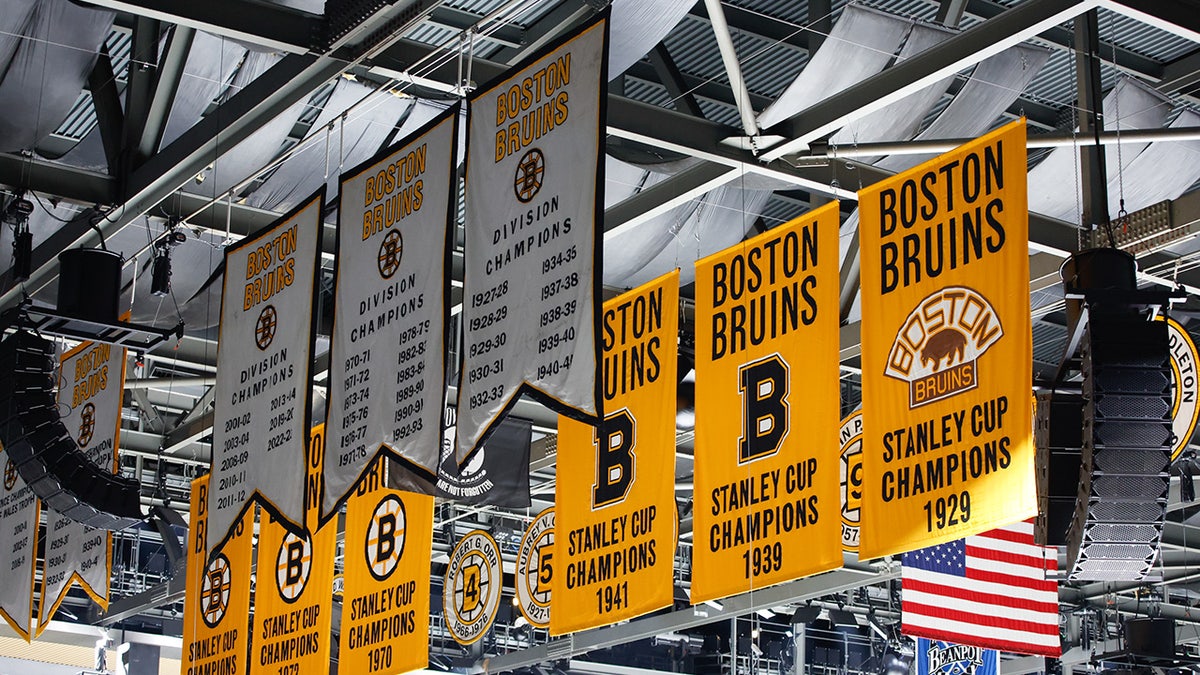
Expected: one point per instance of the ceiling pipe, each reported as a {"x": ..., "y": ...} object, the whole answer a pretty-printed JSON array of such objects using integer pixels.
[
  {"x": 741, "y": 95},
  {"x": 1058, "y": 140}
]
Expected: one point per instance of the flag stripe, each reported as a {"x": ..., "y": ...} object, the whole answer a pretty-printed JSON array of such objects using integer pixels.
[
  {"x": 1016, "y": 646},
  {"x": 988, "y": 590},
  {"x": 996, "y": 590}
]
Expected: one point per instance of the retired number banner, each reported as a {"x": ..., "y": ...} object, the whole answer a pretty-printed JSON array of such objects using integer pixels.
[
  {"x": 534, "y": 201},
  {"x": 19, "y": 528},
  {"x": 946, "y": 348},
  {"x": 260, "y": 421},
  {"x": 385, "y": 610},
  {"x": 90, "y": 393},
  {"x": 216, "y": 607},
  {"x": 387, "y": 369},
  {"x": 767, "y": 507},
  {"x": 294, "y": 593},
  {"x": 615, "y": 498}
]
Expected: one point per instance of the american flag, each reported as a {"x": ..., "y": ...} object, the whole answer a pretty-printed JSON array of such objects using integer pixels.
[{"x": 988, "y": 590}]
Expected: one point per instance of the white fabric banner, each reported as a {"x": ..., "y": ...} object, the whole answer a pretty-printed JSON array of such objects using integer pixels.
[
  {"x": 535, "y": 173},
  {"x": 387, "y": 373},
  {"x": 18, "y": 525},
  {"x": 260, "y": 422},
  {"x": 90, "y": 392}
]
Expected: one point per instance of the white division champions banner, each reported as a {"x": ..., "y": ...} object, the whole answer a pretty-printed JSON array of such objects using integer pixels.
[
  {"x": 534, "y": 197},
  {"x": 18, "y": 525},
  {"x": 90, "y": 391},
  {"x": 260, "y": 422},
  {"x": 387, "y": 370}
]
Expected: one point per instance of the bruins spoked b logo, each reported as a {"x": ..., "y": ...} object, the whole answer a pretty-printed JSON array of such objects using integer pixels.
[
  {"x": 938, "y": 345},
  {"x": 215, "y": 588},
  {"x": 384, "y": 545},
  {"x": 87, "y": 424},
  {"x": 528, "y": 178},
  {"x": 471, "y": 591},
  {"x": 264, "y": 328},
  {"x": 293, "y": 566},
  {"x": 391, "y": 250},
  {"x": 535, "y": 569},
  {"x": 10, "y": 475}
]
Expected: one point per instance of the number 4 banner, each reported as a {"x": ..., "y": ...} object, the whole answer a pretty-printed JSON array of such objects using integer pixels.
[{"x": 767, "y": 504}]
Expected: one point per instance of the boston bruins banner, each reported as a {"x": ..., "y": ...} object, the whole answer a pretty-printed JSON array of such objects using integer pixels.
[
  {"x": 385, "y": 610},
  {"x": 387, "y": 369},
  {"x": 294, "y": 590},
  {"x": 850, "y": 440},
  {"x": 767, "y": 411},
  {"x": 532, "y": 253},
  {"x": 19, "y": 529},
  {"x": 260, "y": 420},
  {"x": 615, "y": 495},
  {"x": 90, "y": 393},
  {"x": 472, "y": 587},
  {"x": 946, "y": 348},
  {"x": 216, "y": 608},
  {"x": 1185, "y": 389}
]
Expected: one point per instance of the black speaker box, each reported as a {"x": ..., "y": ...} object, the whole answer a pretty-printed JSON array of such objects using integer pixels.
[{"x": 1150, "y": 637}]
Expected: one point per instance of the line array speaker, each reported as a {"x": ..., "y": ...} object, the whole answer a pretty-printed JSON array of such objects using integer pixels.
[
  {"x": 1124, "y": 476},
  {"x": 1058, "y": 437},
  {"x": 42, "y": 449}
]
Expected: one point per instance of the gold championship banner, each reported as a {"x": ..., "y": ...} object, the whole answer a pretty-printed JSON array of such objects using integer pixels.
[
  {"x": 385, "y": 607},
  {"x": 767, "y": 505},
  {"x": 614, "y": 542},
  {"x": 216, "y": 608},
  {"x": 946, "y": 348},
  {"x": 294, "y": 594}
]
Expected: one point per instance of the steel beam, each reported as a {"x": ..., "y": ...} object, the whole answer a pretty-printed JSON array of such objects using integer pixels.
[
  {"x": 700, "y": 88},
  {"x": 166, "y": 83},
  {"x": 769, "y": 27},
  {"x": 1092, "y": 162},
  {"x": 1182, "y": 74},
  {"x": 820, "y": 20},
  {"x": 961, "y": 51},
  {"x": 1174, "y": 16},
  {"x": 139, "y": 91},
  {"x": 670, "y": 77},
  {"x": 110, "y": 116},
  {"x": 662, "y": 197},
  {"x": 800, "y": 590},
  {"x": 259, "y": 23}
]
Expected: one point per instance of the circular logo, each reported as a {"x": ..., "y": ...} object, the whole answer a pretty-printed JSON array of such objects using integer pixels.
[
  {"x": 528, "y": 179},
  {"x": 391, "y": 249},
  {"x": 534, "y": 569},
  {"x": 10, "y": 475},
  {"x": 471, "y": 591},
  {"x": 851, "y": 437},
  {"x": 214, "y": 591},
  {"x": 87, "y": 424},
  {"x": 264, "y": 328},
  {"x": 384, "y": 545},
  {"x": 1185, "y": 388},
  {"x": 292, "y": 566}
]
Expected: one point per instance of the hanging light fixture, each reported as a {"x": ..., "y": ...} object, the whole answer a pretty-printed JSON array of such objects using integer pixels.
[
  {"x": 17, "y": 214},
  {"x": 160, "y": 273}
]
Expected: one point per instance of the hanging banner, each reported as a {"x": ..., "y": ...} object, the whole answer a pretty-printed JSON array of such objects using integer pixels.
[
  {"x": 535, "y": 570},
  {"x": 850, "y": 438},
  {"x": 534, "y": 200},
  {"x": 260, "y": 420},
  {"x": 767, "y": 344},
  {"x": 471, "y": 588},
  {"x": 387, "y": 368},
  {"x": 497, "y": 474},
  {"x": 615, "y": 495},
  {"x": 293, "y": 595},
  {"x": 1185, "y": 389},
  {"x": 216, "y": 607},
  {"x": 19, "y": 513},
  {"x": 385, "y": 607},
  {"x": 935, "y": 657},
  {"x": 946, "y": 348},
  {"x": 91, "y": 390}
]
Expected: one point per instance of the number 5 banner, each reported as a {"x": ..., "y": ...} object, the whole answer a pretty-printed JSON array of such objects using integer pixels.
[{"x": 767, "y": 505}]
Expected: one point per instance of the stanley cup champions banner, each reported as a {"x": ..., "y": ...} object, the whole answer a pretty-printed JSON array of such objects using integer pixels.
[
  {"x": 260, "y": 421},
  {"x": 387, "y": 369},
  {"x": 534, "y": 203},
  {"x": 293, "y": 595},
  {"x": 385, "y": 610},
  {"x": 90, "y": 393},
  {"x": 216, "y": 607},
  {"x": 18, "y": 529},
  {"x": 946, "y": 348},
  {"x": 615, "y": 497},
  {"x": 767, "y": 506}
]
